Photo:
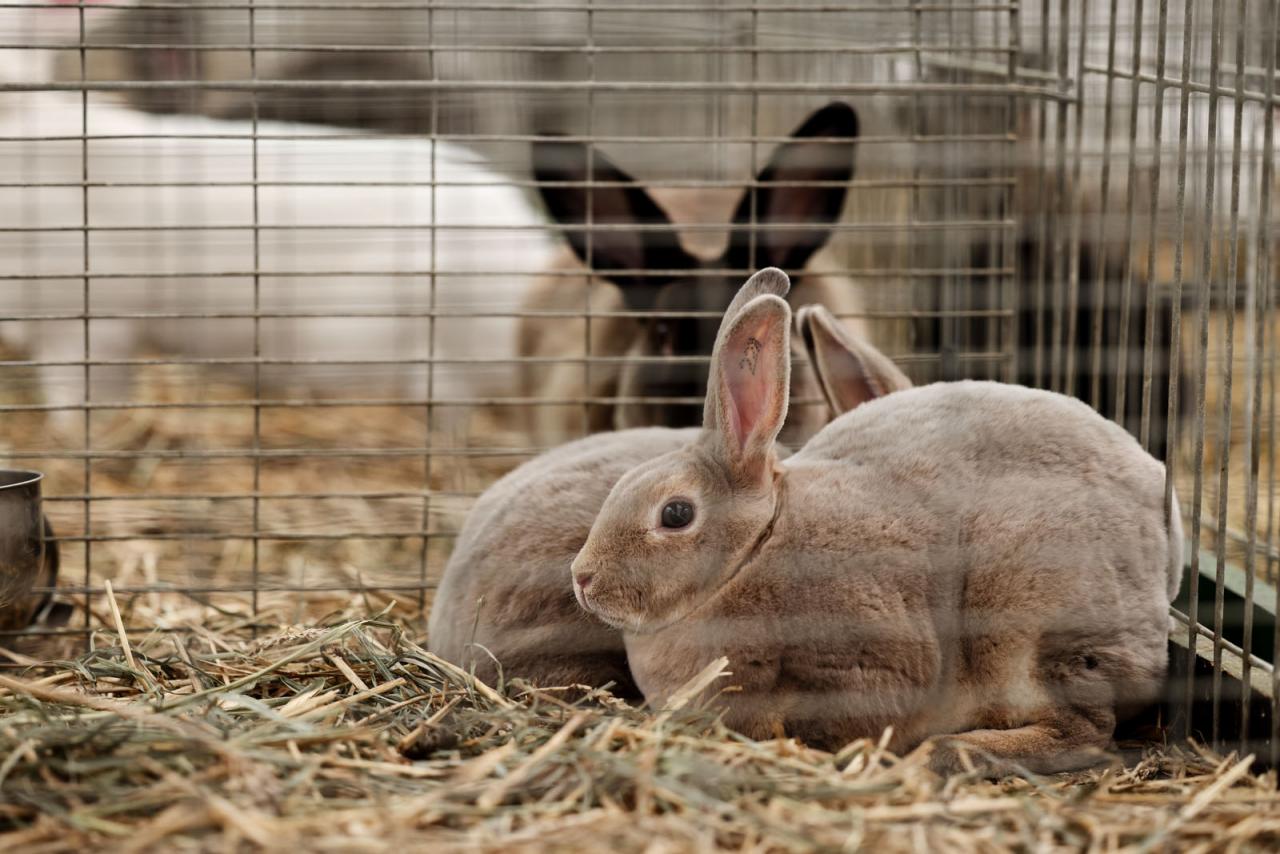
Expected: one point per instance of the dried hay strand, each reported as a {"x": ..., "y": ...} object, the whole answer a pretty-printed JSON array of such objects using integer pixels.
[{"x": 346, "y": 735}]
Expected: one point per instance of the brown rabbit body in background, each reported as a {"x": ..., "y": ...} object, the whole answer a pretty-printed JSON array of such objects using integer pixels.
[{"x": 974, "y": 560}]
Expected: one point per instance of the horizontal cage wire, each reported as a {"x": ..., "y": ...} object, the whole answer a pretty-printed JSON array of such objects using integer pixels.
[{"x": 287, "y": 285}]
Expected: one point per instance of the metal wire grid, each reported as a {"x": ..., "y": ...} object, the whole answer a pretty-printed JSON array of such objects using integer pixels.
[
  {"x": 1079, "y": 137},
  {"x": 1200, "y": 228},
  {"x": 256, "y": 453},
  {"x": 1199, "y": 114}
]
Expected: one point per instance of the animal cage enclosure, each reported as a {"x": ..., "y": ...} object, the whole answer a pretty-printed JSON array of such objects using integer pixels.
[{"x": 287, "y": 284}]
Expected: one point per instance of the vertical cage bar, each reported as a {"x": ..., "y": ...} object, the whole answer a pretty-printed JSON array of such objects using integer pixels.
[
  {"x": 86, "y": 304},
  {"x": 962, "y": 293},
  {"x": 754, "y": 190},
  {"x": 1148, "y": 349},
  {"x": 1175, "y": 322},
  {"x": 1060, "y": 207},
  {"x": 913, "y": 234},
  {"x": 589, "y": 279},
  {"x": 1263, "y": 261},
  {"x": 1041, "y": 257},
  {"x": 1251, "y": 491},
  {"x": 1131, "y": 190},
  {"x": 1204, "y": 307},
  {"x": 257, "y": 319},
  {"x": 997, "y": 238},
  {"x": 950, "y": 297},
  {"x": 428, "y": 427},
  {"x": 1103, "y": 234},
  {"x": 1013, "y": 300},
  {"x": 1076, "y": 205},
  {"x": 1266, "y": 293}
]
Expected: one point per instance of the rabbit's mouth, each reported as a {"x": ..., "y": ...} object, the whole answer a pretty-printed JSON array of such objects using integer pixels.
[
  {"x": 629, "y": 618},
  {"x": 594, "y": 608},
  {"x": 582, "y": 599},
  {"x": 592, "y": 605},
  {"x": 580, "y": 593},
  {"x": 586, "y": 583}
]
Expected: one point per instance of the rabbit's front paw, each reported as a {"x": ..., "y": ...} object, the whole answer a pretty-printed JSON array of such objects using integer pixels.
[
  {"x": 943, "y": 757},
  {"x": 948, "y": 756}
]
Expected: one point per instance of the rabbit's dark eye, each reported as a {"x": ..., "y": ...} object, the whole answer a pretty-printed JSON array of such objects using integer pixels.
[{"x": 677, "y": 514}]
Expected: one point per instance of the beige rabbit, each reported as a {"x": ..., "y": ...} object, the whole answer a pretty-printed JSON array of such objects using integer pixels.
[
  {"x": 980, "y": 562},
  {"x": 506, "y": 597},
  {"x": 640, "y": 265}
]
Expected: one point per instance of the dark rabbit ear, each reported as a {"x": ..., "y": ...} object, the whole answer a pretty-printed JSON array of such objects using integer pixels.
[
  {"x": 829, "y": 163},
  {"x": 159, "y": 29},
  {"x": 616, "y": 200},
  {"x": 850, "y": 371},
  {"x": 167, "y": 63}
]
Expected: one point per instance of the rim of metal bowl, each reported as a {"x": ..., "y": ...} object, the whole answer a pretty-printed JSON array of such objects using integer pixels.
[{"x": 20, "y": 477}]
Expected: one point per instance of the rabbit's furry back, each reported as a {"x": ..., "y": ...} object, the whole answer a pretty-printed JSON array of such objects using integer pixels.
[{"x": 995, "y": 431}]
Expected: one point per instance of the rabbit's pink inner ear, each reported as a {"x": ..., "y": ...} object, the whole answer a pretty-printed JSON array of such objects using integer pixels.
[{"x": 754, "y": 366}]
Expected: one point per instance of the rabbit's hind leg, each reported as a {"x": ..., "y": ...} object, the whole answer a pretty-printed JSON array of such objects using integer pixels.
[{"x": 1062, "y": 740}]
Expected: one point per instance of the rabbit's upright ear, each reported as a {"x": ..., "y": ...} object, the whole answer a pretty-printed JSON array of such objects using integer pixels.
[
  {"x": 580, "y": 185},
  {"x": 829, "y": 165},
  {"x": 750, "y": 377},
  {"x": 850, "y": 370}
]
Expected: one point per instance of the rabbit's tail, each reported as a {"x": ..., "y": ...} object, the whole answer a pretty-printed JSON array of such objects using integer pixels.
[{"x": 1175, "y": 547}]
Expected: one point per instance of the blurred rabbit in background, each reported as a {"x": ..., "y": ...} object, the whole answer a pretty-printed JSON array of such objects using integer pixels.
[
  {"x": 995, "y": 207},
  {"x": 336, "y": 226},
  {"x": 680, "y": 131},
  {"x": 417, "y": 43},
  {"x": 987, "y": 136},
  {"x": 641, "y": 264}
]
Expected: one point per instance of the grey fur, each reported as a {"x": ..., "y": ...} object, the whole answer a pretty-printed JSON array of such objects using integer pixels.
[{"x": 984, "y": 567}]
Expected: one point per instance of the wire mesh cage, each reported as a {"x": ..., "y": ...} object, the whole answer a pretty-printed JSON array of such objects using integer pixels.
[{"x": 287, "y": 284}]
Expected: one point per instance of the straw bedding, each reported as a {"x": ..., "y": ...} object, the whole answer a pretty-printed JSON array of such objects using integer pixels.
[
  {"x": 176, "y": 488},
  {"x": 346, "y": 735},
  {"x": 338, "y": 733}
]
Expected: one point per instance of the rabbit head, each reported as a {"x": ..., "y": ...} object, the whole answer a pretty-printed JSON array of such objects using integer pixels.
[
  {"x": 676, "y": 528},
  {"x": 673, "y": 529},
  {"x": 632, "y": 243}
]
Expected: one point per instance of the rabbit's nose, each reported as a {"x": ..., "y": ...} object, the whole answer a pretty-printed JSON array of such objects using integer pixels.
[{"x": 583, "y": 580}]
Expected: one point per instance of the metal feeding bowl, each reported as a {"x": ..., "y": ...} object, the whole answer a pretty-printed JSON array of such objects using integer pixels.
[{"x": 28, "y": 553}]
